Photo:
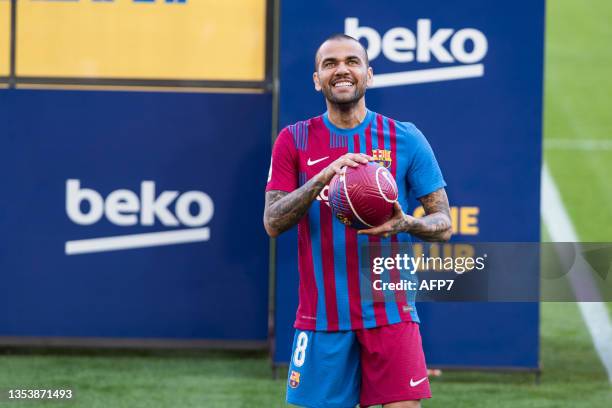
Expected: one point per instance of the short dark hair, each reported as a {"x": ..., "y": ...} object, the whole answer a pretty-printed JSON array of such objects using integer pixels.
[{"x": 341, "y": 36}]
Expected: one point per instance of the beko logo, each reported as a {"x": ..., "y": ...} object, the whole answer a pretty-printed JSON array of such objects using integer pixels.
[
  {"x": 86, "y": 206},
  {"x": 464, "y": 48}
]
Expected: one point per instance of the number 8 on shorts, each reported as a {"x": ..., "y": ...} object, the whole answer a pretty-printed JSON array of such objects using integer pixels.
[
  {"x": 299, "y": 354},
  {"x": 324, "y": 367}
]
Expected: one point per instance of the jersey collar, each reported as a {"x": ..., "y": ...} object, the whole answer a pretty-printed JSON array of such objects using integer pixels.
[{"x": 357, "y": 129}]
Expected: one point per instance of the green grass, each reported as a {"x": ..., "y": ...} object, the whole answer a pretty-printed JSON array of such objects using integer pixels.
[
  {"x": 573, "y": 376},
  {"x": 577, "y": 106},
  {"x": 147, "y": 379},
  {"x": 572, "y": 373}
]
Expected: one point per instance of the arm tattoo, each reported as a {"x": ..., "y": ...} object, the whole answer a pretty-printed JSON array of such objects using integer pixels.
[
  {"x": 283, "y": 210},
  {"x": 436, "y": 224}
]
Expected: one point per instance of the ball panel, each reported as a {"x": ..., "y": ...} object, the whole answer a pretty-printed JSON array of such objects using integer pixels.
[
  {"x": 338, "y": 200},
  {"x": 363, "y": 195},
  {"x": 386, "y": 184}
]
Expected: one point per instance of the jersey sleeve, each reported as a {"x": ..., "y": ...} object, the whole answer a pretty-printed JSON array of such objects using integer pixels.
[
  {"x": 424, "y": 174},
  {"x": 283, "y": 173}
]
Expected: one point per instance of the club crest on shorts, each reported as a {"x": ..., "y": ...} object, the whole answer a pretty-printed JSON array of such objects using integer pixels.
[
  {"x": 382, "y": 157},
  {"x": 294, "y": 380}
]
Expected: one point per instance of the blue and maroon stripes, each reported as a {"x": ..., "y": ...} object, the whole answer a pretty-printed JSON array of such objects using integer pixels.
[
  {"x": 334, "y": 293},
  {"x": 302, "y": 178},
  {"x": 299, "y": 131},
  {"x": 404, "y": 309},
  {"x": 327, "y": 241},
  {"x": 336, "y": 141},
  {"x": 371, "y": 308},
  {"x": 307, "y": 314},
  {"x": 316, "y": 264},
  {"x": 353, "y": 278}
]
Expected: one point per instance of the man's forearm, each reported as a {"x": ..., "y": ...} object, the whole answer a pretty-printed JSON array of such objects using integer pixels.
[
  {"x": 284, "y": 210},
  {"x": 433, "y": 227},
  {"x": 436, "y": 224}
]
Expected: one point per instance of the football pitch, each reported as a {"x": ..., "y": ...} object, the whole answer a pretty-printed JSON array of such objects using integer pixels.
[
  {"x": 572, "y": 376},
  {"x": 578, "y": 151}
]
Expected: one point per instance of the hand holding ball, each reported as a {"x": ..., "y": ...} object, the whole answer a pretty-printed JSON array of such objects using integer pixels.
[{"x": 363, "y": 196}]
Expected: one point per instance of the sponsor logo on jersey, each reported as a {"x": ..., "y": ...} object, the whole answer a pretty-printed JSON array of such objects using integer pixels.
[
  {"x": 294, "y": 379},
  {"x": 324, "y": 195}
]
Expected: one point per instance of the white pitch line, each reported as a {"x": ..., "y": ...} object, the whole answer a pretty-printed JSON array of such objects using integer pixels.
[
  {"x": 149, "y": 239},
  {"x": 561, "y": 229},
  {"x": 578, "y": 144}
]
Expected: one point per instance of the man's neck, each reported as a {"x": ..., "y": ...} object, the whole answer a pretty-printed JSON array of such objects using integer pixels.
[{"x": 346, "y": 117}]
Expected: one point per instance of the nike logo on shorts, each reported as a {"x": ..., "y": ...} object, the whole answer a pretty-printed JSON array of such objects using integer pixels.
[{"x": 415, "y": 383}]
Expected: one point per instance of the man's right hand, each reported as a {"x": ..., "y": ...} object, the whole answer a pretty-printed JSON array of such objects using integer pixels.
[{"x": 349, "y": 159}]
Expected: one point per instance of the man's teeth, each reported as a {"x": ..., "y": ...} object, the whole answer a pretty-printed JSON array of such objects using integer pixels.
[{"x": 341, "y": 84}]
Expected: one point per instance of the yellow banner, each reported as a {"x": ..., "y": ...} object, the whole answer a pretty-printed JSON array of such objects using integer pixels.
[
  {"x": 154, "y": 39},
  {"x": 5, "y": 37}
]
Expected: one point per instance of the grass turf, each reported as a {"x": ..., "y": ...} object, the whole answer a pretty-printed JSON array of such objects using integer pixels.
[
  {"x": 577, "y": 107},
  {"x": 572, "y": 376}
]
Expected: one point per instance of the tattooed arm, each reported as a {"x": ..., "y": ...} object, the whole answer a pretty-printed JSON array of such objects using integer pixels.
[
  {"x": 283, "y": 210},
  {"x": 434, "y": 226}
]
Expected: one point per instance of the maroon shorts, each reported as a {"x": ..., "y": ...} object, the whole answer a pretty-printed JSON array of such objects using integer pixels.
[{"x": 392, "y": 364}]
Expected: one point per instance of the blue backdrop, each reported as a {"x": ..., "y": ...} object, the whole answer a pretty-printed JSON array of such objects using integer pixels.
[
  {"x": 215, "y": 289},
  {"x": 485, "y": 129}
]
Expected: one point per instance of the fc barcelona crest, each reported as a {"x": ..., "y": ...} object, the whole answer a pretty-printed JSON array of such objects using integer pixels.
[
  {"x": 382, "y": 157},
  {"x": 294, "y": 380}
]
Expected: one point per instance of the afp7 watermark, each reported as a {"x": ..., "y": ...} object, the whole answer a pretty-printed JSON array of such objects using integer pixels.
[{"x": 487, "y": 272}]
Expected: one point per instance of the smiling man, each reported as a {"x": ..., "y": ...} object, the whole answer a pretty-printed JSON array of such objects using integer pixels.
[{"x": 349, "y": 346}]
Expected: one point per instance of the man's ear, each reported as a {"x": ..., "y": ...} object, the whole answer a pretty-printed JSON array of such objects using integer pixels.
[
  {"x": 317, "y": 84},
  {"x": 370, "y": 77}
]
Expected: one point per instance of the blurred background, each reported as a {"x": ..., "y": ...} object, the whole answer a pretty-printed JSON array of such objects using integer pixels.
[{"x": 134, "y": 154}]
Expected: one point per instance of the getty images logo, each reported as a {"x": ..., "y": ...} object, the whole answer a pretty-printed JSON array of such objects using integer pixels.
[
  {"x": 125, "y": 208},
  {"x": 464, "y": 48}
]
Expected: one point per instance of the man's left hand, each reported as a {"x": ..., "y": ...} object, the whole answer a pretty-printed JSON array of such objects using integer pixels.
[{"x": 399, "y": 222}]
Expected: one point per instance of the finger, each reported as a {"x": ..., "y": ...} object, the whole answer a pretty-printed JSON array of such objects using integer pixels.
[
  {"x": 336, "y": 168},
  {"x": 349, "y": 162},
  {"x": 370, "y": 231},
  {"x": 361, "y": 158},
  {"x": 341, "y": 169}
]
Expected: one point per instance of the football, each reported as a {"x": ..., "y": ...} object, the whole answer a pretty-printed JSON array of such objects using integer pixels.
[{"x": 362, "y": 197}]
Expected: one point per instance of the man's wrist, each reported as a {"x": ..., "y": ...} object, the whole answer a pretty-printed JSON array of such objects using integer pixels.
[
  {"x": 408, "y": 223},
  {"x": 324, "y": 177}
]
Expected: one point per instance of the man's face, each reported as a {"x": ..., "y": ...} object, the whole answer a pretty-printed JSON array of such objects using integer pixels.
[{"x": 342, "y": 73}]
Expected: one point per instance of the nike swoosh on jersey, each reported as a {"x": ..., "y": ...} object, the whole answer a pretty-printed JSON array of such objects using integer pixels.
[
  {"x": 313, "y": 162},
  {"x": 415, "y": 383}
]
